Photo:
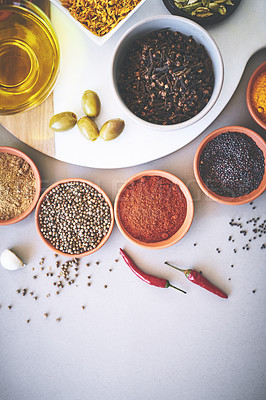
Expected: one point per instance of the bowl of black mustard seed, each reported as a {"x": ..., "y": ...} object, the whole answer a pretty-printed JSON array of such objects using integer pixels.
[{"x": 229, "y": 165}]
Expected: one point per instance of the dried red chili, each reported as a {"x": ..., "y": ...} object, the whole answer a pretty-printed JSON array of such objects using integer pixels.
[
  {"x": 152, "y": 208},
  {"x": 150, "y": 279},
  {"x": 198, "y": 279}
]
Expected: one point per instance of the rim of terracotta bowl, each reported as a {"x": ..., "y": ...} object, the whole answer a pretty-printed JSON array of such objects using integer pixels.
[
  {"x": 188, "y": 28},
  {"x": 250, "y": 85},
  {"x": 184, "y": 227},
  {"x": 100, "y": 190},
  {"x": 19, "y": 153},
  {"x": 223, "y": 199}
]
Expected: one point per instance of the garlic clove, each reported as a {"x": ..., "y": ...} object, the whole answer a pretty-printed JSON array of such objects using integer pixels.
[{"x": 10, "y": 261}]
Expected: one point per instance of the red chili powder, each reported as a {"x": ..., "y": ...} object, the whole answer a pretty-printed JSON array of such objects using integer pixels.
[{"x": 152, "y": 208}]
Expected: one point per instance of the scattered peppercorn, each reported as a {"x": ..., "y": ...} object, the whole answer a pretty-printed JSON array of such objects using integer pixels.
[{"x": 45, "y": 315}]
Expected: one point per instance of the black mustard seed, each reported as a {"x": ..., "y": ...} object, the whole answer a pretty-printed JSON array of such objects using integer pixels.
[{"x": 232, "y": 165}]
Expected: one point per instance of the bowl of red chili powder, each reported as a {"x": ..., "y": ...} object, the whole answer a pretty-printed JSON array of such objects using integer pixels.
[{"x": 154, "y": 209}]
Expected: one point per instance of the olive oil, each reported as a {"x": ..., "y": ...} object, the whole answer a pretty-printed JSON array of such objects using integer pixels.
[{"x": 29, "y": 57}]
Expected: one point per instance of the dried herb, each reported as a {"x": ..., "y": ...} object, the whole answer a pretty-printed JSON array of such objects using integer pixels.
[
  {"x": 166, "y": 77},
  {"x": 99, "y": 16}
]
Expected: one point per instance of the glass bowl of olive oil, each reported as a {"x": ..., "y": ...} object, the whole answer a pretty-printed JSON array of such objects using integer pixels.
[{"x": 29, "y": 56}]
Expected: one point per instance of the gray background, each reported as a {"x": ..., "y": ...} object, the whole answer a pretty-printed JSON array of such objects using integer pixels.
[{"x": 133, "y": 341}]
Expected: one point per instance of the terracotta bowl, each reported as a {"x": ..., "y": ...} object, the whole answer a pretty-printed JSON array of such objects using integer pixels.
[
  {"x": 11, "y": 150},
  {"x": 231, "y": 200},
  {"x": 182, "y": 230},
  {"x": 252, "y": 80},
  {"x": 105, "y": 238}
]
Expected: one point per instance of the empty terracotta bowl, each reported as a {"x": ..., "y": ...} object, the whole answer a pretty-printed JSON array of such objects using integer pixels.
[
  {"x": 183, "y": 219},
  {"x": 253, "y": 96},
  {"x": 72, "y": 214},
  {"x": 24, "y": 214},
  {"x": 226, "y": 199}
]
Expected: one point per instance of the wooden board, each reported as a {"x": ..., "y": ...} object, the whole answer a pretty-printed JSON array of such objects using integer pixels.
[{"x": 32, "y": 126}]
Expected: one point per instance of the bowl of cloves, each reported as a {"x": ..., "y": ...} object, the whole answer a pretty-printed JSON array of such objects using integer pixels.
[{"x": 167, "y": 72}]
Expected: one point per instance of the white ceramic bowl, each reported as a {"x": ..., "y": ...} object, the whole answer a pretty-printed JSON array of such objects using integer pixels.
[
  {"x": 186, "y": 27},
  {"x": 100, "y": 40}
]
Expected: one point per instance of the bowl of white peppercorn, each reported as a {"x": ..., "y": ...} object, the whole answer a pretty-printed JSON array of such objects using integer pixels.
[{"x": 74, "y": 217}]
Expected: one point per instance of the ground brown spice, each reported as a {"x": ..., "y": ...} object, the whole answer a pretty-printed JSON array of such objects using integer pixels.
[{"x": 17, "y": 186}]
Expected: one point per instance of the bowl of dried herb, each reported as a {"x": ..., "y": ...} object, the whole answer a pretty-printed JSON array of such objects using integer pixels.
[
  {"x": 20, "y": 184},
  {"x": 167, "y": 72},
  {"x": 74, "y": 217},
  {"x": 154, "y": 209},
  {"x": 230, "y": 165}
]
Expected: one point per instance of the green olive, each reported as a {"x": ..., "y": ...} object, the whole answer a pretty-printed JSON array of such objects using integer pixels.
[
  {"x": 63, "y": 121},
  {"x": 112, "y": 128},
  {"x": 91, "y": 103},
  {"x": 88, "y": 128}
]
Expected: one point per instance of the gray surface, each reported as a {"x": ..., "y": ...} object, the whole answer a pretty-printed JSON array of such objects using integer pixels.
[{"x": 134, "y": 341}]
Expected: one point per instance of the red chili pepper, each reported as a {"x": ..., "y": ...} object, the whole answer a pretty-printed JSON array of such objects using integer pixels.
[
  {"x": 150, "y": 279},
  {"x": 198, "y": 279}
]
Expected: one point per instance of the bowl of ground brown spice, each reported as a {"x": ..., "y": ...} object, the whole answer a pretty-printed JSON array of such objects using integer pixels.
[
  {"x": 154, "y": 209},
  {"x": 20, "y": 185}
]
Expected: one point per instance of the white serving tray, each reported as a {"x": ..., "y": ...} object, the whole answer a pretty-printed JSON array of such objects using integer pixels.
[{"x": 85, "y": 65}]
